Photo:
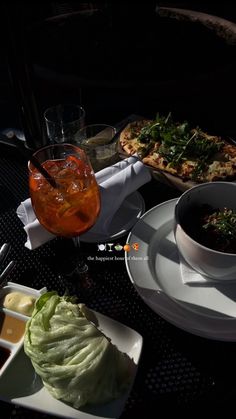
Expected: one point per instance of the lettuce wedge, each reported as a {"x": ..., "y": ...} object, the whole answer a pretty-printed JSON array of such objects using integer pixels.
[{"x": 77, "y": 363}]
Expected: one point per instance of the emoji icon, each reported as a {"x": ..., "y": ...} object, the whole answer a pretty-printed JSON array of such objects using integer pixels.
[
  {"x": 110, "y": 246},
  {"x": 101, "y": 247},
  {"x": 135, "y": 246},
  {"x": 118, "y": 247},
  {"x": 126, "y": 247}
]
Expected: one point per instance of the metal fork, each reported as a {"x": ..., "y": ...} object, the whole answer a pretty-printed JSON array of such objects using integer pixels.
[{"x": 4, "y": 275}]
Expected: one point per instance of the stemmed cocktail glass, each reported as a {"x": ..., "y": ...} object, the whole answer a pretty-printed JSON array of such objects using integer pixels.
[{"x": 69, "y": 206}]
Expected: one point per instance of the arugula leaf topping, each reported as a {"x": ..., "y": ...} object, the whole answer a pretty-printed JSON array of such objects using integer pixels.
[
  {"x": 179, "y": 142},
  {"x": 222, "y": 222}
]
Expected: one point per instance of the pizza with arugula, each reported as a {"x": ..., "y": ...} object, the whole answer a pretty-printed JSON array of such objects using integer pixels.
[{"x": 180, "y": 150}]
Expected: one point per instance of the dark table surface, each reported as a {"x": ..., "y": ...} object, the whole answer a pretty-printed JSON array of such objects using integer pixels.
[{"x": 177, "y": 370}]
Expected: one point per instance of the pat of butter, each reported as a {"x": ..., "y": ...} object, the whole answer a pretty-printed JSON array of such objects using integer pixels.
[{"x": 19, "y": 302}]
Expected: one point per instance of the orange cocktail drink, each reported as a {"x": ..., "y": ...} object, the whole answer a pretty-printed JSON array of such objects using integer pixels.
[{"x": 73, "y": 206}]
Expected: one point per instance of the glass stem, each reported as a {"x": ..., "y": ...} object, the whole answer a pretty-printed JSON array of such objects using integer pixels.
[{"x": 81, "y": 266}]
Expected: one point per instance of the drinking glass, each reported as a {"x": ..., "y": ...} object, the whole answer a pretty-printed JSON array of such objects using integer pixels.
[
  {"x": 97, "y": 141},
  {"x": 71, "y": 206},
  {"x": 63, "y": 122}
]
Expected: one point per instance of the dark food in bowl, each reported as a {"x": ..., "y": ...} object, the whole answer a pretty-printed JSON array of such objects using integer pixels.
[{"x": 213, "y": 228}]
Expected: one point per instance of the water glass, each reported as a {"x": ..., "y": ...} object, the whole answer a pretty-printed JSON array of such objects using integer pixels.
[
  {"x": 96, "y": 140},
  {"x": 63, "y": 122}
]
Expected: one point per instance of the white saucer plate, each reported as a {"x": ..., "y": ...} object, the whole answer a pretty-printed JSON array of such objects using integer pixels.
[
  {"x": 22, "y": 386},
  {"x": 205, "y": 309},
  {"x": 124, "y": 219}
]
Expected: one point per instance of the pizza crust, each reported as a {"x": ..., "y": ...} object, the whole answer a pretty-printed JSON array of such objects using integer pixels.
[{"x": 128, "y": 137}]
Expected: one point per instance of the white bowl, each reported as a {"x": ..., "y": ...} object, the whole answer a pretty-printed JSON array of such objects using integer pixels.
[{"x": 208, "y": 262}]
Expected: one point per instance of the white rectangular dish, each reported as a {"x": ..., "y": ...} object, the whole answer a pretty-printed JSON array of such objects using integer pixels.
[{"x": 22, "y": 386}]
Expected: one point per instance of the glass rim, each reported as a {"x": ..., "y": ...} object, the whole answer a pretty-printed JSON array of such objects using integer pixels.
[
  {"x": 97, "y": 125},
  {"x": 63, "y": 145},
  {"x": 69, "y": 145},
  {"x": 63, "y": 105}
]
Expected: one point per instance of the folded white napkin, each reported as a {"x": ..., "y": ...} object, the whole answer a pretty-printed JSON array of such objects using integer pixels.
[
  {"x": 190, "y": 276},
  {"x": 116, "y": 183},
  {"x": 36, "y": 233}
]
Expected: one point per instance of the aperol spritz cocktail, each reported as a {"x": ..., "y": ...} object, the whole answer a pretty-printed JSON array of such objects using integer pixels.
[{"x": 72, "y": 207}]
